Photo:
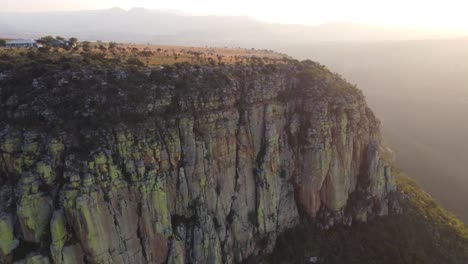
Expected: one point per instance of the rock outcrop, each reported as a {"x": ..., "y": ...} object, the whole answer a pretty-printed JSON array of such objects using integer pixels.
[{"x": 182, "y": 164}]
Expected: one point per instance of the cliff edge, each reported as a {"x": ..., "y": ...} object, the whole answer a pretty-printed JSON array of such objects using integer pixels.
[{"x": 182, "y": 163}]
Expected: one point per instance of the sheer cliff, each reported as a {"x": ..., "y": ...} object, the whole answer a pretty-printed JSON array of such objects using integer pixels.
[{"x": 181, "y": 164}]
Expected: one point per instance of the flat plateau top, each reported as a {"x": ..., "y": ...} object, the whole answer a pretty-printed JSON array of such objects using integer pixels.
[
  {"x": 151, "y": 55},
  {"x": 168, "y": 54}
]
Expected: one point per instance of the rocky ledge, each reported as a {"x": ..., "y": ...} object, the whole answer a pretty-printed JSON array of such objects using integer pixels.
[{"x": 181, "y": 164}]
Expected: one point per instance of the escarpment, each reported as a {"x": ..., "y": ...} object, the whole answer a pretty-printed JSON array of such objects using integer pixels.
[{"x": 181, "y": 164}]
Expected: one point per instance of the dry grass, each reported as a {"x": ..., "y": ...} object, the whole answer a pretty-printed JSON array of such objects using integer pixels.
[
  {"x": 166, "y": 54},
  {"x": 153, "y": 55},
  {"x": 138, "y": 55}
]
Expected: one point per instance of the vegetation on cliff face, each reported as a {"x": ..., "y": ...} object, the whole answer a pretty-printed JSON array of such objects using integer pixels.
[
  {"x": 76, "y": 88},
  {"x": 422, "y": 232}
]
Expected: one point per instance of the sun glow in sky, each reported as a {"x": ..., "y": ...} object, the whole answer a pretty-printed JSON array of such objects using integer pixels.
[{"x": 441, "y": 14}]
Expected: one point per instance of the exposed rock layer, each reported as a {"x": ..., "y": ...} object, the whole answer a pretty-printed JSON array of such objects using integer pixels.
[{"x": 215, "y": 168}]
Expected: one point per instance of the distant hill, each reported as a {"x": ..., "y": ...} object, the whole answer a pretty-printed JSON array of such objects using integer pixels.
[{"x": 165, "y": 27}]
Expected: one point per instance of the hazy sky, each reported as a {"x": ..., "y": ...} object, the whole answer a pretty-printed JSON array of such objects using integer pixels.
[{"x": 450, "y": 14}]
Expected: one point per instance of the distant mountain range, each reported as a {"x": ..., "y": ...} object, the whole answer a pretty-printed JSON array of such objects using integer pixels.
[{"x": 170, "y": 27}]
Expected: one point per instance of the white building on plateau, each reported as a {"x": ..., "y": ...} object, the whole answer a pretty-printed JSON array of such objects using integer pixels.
[{"x": 21, "y": 43}]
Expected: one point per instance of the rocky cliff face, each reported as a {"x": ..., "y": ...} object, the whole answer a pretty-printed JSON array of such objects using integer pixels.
[{"x": 181, "y": 164}]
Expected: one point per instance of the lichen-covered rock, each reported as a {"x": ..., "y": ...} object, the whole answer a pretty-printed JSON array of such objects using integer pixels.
[
  {"x": 8, "y": 242},
  {"x": 59, "y": 235},
  {"x": 34, "y": 259},
  {"x": 198, "y": 165},
  {"x": 176, "y": 253},
  {"x": 72, "y": 254},
  {"x": 33, "y": 211}
]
